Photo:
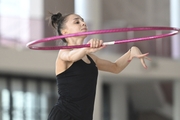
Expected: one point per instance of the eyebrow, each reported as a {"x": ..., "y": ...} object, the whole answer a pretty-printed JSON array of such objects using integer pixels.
[{"x": 78, "y": 19}]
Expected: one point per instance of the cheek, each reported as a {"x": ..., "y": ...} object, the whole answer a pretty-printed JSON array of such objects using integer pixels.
[{"x": 73, "y": 29}]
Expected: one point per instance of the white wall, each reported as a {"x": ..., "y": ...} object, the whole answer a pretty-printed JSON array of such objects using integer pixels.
[
  {"x": 27, "y": 61},
  {"x": 43, "y": 63}
]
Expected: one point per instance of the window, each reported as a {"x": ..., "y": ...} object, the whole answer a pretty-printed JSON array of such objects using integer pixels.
[
  {"x": 14, "y": 21},
  {"x": 26, "y": 98},
  {"x": 20, "y": 22}
]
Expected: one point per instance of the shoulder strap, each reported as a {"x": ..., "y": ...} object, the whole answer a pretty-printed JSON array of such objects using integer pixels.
[{"x": 92, "y": 61}]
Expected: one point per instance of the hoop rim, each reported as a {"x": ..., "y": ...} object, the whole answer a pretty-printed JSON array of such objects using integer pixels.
[{"x": 31, "y": 44}]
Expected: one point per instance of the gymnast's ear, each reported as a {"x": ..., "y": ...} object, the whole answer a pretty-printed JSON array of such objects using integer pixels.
[{"x": 64, "y": 31}]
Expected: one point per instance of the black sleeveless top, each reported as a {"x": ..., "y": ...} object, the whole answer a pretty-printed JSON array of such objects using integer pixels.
[{"x": 77, "y": 88}]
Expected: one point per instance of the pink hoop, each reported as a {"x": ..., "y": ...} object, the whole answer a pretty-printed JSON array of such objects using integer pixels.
[{"x": 32, "y": 43}]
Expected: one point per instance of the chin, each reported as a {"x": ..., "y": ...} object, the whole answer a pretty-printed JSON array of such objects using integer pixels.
[
  {"x": 84, "y": 36},
  {"x": 84, "y": 30}
]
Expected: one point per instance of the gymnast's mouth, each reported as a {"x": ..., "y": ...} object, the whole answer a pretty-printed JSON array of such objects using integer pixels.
[{"x": 84, "y": 29}]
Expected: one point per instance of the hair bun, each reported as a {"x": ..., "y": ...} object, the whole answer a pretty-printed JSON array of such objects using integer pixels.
[{"x": 56, "y": 17}]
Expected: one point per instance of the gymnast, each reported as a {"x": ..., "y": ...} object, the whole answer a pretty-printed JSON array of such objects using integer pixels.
[{"x": 77, "y": 69}]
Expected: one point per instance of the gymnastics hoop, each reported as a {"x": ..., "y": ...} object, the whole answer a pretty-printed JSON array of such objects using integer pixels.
[{"x": 174, "y": 32}]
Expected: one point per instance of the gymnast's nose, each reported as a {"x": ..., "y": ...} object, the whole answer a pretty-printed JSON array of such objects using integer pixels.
[{"x": 83, "y": 23}]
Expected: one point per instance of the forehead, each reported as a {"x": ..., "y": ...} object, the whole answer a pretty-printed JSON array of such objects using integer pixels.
[{"x": 73, "y": 17}]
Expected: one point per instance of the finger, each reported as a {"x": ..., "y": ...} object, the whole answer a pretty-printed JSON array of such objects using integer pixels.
[
  {"x": 96, "y": 49},
  {"x": 143, "y": 55},
  {"x": 94, "y": 43},
  {"x": 97, "y": 43},
  {"x": 91, "y": 42},
  {"x": 143, "y": 63},
  {"x": 100, "y": 43},
  {"x": 101, "y": 47},
  {"x": 147, "y": 58}
]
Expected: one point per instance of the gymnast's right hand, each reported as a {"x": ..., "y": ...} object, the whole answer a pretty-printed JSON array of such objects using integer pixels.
[{"x": 95, "y": 45}]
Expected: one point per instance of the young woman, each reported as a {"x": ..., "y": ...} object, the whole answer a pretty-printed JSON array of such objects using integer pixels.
[{"x": 77, "y": 70}]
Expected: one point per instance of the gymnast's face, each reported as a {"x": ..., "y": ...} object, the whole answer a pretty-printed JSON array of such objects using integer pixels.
[{"x": 74, "y": 23}]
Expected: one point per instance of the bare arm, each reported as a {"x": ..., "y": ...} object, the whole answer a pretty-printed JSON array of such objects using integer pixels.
[
  {"x": 121, "y": 63},
  {"x": 76, "y": 54},
  {"x": 72, "y": 55}
]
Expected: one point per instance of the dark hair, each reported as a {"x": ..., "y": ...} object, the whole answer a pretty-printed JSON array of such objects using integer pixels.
[{"x": 57, "y": 21}]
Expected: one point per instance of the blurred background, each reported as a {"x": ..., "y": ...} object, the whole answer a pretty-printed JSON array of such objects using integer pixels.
[{"x": 27, "y": 80}]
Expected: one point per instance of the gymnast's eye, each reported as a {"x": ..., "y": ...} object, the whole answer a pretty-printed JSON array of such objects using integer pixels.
[{"x": 77, "y": 22}]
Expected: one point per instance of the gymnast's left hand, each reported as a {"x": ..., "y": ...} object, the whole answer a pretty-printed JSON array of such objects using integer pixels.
[{"x": 136, "y": 53}]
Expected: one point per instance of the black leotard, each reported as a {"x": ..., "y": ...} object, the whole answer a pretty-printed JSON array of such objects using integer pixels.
[{"x": 77, "y": 88}]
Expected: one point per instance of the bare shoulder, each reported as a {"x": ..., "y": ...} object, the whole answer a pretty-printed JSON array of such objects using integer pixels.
[
  {"x": 61, "y": 65},
  {"x": 64, "y": 54}
]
